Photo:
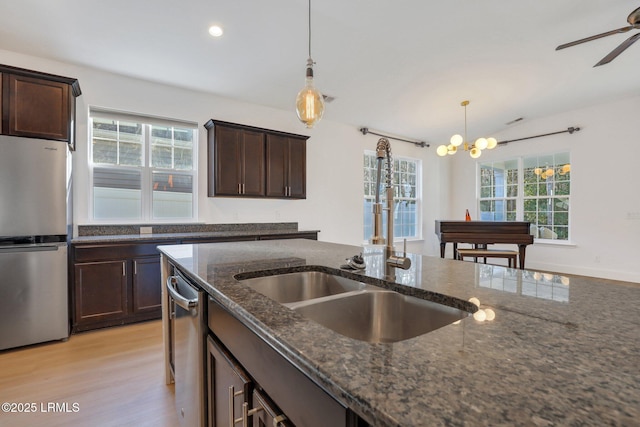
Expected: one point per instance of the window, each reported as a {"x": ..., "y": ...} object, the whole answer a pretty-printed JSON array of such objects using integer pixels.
[
  {"x": 142, "y": 168},
  {"x": 534, "y": 189},
  {"x": 407, "y": 191}
]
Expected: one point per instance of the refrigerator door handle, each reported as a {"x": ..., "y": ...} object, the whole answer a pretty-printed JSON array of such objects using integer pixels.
[
  {"x": 183, "y": 302},
  {"x": 13, "y": 249}
]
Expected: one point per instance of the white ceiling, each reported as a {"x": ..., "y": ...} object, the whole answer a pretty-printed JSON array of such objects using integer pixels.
[{"x": 398, "y": 66}]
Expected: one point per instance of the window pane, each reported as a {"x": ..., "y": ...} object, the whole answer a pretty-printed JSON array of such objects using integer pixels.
[
  {"x": 172, "y": 195},
  {"x": 171, "y": 148},
  {"x": 117, "y": 143},
  {"x": 117, "y": 194},
  {"x": 406, "y": 194}
]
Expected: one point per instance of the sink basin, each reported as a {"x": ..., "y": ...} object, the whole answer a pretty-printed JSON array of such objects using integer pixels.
[
  {"x": 380, "y": 316},
  {"x": 302, "y": 286}
]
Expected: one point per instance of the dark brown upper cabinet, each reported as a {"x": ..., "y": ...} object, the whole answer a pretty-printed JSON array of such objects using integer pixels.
[
  {"x": 246, "y": 161},
  {"x": 286, "y": 167},
  {"x": 38, "y": 105},
  {"x": 239, "y": 163}
]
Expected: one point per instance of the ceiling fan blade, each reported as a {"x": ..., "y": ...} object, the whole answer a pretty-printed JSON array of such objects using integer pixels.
[
  {"x": 597, "y": 36},
  {"x": 617, "y": 51}
]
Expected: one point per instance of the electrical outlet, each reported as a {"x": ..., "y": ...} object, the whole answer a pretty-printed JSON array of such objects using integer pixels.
[{"x": 146, "y": 230}]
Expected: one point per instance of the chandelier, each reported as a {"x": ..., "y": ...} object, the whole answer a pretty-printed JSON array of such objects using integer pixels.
[
  {"x": 475, "y": 149},
  {"x": 309, "y": 102}
]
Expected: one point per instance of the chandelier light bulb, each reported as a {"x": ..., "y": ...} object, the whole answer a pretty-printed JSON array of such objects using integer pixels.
[
  {"x": 566, "y": 168},
  {"x": 481, "y": 143},
  {"x": 475, "y": 152},
  {"x": 451, "y": 149},
  {"x": 537, "y": 171},
  {"x": 491, "y": 143},
  {"x": 549, "y": 172},
  {"x": 456, "y": 140},
  {"x": 442, "y": 150}
]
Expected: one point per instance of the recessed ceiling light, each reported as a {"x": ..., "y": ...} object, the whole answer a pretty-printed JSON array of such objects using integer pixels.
[{"x": 215, "y": 30}]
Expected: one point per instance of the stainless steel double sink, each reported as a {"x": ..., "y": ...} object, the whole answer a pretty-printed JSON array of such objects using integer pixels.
[{"x": 355, "y": 309}]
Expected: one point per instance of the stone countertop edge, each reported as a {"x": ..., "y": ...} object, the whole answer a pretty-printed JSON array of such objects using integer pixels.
[
  {"x": 177, "y": 236},
  {"x": 557, "y": 353}
]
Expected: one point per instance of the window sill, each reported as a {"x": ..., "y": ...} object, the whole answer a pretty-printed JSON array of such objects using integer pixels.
[{"x": 551, "y": 242}]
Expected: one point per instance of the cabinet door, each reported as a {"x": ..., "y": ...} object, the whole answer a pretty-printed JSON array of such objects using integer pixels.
[
  {"x": 2, "y": 118},
  {"x": 146, "y": 285},
  {"x": 277, "y": 147},
  {"x": 297, "y": 170},
  {"x": 100, "y": 291},
  {"x": 223, "y": 374},
  {"x": 227, "y": 154},
  {"x": 252, "y": 163},
  {"x": 286, "y": 167},
  {"x": 38, "y": 108},
  {"x": 239, "y": 163}
]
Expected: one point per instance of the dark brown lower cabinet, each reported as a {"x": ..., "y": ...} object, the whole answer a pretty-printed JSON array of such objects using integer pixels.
[
  {"x": 233, "y": 396},
  {"x": 115, "y": 284},
  {"x": 118, "y": 283},
  {"x": 100, "y": 292},
  {"x": 146, "y": 277},
  {"x": 270, "y": 387}
]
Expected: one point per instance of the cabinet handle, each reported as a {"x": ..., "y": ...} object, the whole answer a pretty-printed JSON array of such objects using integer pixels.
[
  {"x": 243, "y": 190},
  {"x": 135, "y": 268},
  {"x": 232, "y": 417},
  {"x": 246, "y": 413},
  {"x": 124, "y": 268},
  {"x": 279, "y": 419},
  {"x": 239, "y": 188}
]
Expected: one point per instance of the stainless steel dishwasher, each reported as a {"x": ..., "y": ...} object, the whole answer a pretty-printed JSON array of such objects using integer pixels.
[{"x": 187, "y": 336}]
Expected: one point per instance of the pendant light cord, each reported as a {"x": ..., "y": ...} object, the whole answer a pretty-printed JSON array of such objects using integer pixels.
[{"x": 309, "y": 28}]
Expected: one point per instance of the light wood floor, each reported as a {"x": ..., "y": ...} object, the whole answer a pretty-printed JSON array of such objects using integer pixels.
[{"x": 114, "y": 376}]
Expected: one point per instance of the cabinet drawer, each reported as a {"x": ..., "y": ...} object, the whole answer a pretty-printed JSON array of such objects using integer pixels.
[{"x": 101, "y": 252}]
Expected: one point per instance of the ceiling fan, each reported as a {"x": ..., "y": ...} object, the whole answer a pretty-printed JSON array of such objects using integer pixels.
[{"x": 634, "y": 23}]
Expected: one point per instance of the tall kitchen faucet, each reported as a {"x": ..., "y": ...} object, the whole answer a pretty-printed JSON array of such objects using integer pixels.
[{"x": 383, "y": 151}]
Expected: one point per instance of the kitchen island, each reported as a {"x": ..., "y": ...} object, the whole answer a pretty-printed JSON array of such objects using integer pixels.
[{"x": 562, "y": 350}]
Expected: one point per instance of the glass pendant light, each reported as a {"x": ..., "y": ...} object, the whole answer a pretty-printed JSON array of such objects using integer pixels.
[{"x": 309, "y": 102}]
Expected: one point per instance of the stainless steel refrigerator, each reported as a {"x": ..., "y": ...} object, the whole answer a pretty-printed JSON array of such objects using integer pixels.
[{"x": 35, "y": 221}]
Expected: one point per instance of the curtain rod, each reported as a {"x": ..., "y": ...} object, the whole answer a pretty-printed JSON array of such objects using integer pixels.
[
  {"x": 570, "y": 130},
  {"x": 423, "y": 144},
  {"x": 417, "y": 143}
]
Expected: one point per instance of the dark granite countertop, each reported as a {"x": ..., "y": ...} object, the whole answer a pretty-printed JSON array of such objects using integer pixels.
[
  {"x": 117, "y": 238},
  {"x": 562, "y": 350}
]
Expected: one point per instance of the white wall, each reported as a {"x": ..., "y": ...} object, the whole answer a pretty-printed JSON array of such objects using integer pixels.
[
  {"x": 605, "y": 195},
  {"x": 334, "y": 153}
]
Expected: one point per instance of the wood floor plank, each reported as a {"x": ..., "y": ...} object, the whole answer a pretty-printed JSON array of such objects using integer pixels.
[{"x": 111, "y": 377}]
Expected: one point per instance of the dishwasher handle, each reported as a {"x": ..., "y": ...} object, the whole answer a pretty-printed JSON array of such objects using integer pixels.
[{"x": 183, "y": 302}]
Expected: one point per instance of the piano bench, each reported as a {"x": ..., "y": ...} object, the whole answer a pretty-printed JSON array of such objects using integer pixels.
[{"x": 511, "y": 256}]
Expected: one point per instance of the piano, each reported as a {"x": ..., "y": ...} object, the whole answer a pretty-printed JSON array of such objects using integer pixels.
[{"x": 485, "y": 233}]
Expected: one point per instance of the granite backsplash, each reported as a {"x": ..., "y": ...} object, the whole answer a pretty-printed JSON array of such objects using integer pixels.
[{"x": 123, "y": 229}]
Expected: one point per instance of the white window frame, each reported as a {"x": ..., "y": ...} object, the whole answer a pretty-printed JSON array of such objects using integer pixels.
[
  {"x": 417, "y": 198},
  {"x": 520, "y": 198},
  {"x": 146, "y": 170}
]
